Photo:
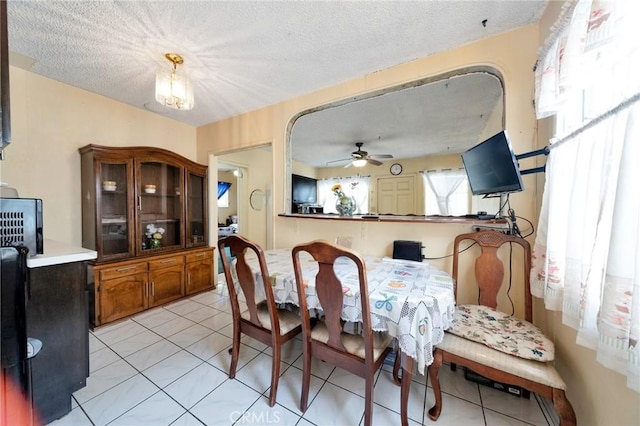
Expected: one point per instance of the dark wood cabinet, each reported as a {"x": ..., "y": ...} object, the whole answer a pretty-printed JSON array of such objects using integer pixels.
[
  {"x": 144, "y": 210},
  {"x": 57, "y": 316}
]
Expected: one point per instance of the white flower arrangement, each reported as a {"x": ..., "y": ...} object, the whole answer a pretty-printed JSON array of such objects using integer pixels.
[{"x": 154, "y": 232}]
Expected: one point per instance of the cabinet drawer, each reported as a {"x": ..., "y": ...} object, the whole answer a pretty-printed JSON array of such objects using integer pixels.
[
  {"x": 200, "y": 255},
  {"x": 123, "y": 271},
  {"x": 166, "y": 262}
]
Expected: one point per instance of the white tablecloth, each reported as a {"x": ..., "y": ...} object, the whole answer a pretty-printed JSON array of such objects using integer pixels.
[{"x": 412, "y": 301}]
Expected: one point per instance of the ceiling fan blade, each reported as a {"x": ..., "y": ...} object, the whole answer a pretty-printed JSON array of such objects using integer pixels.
[
  {"x": 338, "y": 161},
  {"x": 381, "y": 156},
  {"x": 374, "y": 161},
  {"x": 349, "y": 164}
]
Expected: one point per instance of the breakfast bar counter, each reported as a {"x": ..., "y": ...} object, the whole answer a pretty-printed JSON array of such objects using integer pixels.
[{"x": 471, "y": 219}]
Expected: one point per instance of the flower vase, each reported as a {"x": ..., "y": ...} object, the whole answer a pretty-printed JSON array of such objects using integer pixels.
[
  {"x": 155, "y": 243},
  {"x": 346, "y": 206}
]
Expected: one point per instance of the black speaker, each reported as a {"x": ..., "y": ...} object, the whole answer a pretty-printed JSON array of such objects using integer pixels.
[{"x": 408, "y": 250}]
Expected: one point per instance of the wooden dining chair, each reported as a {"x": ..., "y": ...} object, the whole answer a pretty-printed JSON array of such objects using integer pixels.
[
  {"x": 494, "y": 344},
  {"x": 260, "y": 319},
  {"x": 360, "y": 354}
]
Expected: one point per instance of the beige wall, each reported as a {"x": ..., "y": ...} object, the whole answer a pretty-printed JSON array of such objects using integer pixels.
[
  {"x": 600, "y": 398},
  {"x": 512, "y": 54},
  {"x": 50, "y": 121}
]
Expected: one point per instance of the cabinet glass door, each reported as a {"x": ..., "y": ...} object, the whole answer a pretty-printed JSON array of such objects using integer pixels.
[
  {"x": 196, "y": 210},
  {"x": 114, "y": 234},
  {"x": 160, "y": 212}
]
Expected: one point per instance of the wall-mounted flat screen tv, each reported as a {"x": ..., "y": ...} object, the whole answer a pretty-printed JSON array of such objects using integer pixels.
[
  {"x": 304, "y": 190},
  {"x": 492, "y": 167}
]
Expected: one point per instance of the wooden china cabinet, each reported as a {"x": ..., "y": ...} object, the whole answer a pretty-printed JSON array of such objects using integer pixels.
[{"x": 144, "y": 210}]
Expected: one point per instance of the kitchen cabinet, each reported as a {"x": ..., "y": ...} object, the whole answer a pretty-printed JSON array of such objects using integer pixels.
[{"x": 144, "y": 211}]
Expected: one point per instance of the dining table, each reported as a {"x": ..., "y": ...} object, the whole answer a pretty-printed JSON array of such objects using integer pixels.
[{"x": 412, "y": 301}]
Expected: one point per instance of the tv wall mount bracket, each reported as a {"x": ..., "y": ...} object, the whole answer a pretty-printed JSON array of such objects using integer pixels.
[{"x": 541, "y": 169}]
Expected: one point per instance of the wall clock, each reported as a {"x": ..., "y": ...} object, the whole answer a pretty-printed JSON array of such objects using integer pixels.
[{"x": 395, "y": 169}]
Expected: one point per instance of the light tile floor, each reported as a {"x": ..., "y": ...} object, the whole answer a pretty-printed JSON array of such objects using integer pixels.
[{"x": 169, "y": 366}]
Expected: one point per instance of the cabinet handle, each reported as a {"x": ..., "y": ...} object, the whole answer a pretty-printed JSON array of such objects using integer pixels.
[
  {"x": 146, "y": 290},
  {"x": 188, "y": 279},
  {"x": 200, "y": 254},
  {"x": 126, "y": 268},
  {"x": 140, "y": 202},
  {"x": 153, "y": 289},
  {"x": 167, "y": 261}
]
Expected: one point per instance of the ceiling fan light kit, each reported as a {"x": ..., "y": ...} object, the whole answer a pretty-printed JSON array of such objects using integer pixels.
[
  {"x": 360, "y": 158},
  {"x": 174, "y": 90}
]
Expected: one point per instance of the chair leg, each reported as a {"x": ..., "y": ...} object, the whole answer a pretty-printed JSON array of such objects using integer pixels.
[
  {"x": 235, "y": 353},
  {"x": 396, "y": 369},
  {"x": 368, "y": 400},
  {"x": 407, "y": 373},
  {"x": 306, "y": 377},
  {"x": 433, "y": 369},
  {"x": 563, "y": 408},
  {"x": 275, "y": 374}
]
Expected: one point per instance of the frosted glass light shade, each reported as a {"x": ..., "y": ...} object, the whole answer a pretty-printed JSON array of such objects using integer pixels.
[
  {"x": 359, "y": 163},
  {"x": 174, "y": 90}
]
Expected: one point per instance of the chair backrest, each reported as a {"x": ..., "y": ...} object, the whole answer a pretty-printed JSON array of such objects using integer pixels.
[
  {"x": 330, "y": 292},
  {"x": 489, "y": 269},
  {"x": 241, "y": 247}
]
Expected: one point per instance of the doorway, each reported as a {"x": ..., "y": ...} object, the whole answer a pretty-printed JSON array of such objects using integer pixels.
[{"x": 253, "y": 171}]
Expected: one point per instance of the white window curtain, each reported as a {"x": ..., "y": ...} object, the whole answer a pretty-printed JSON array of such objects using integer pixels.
[
  {"x": 586, "y": 257},
  {"x": 446, "y": 192},
  {"x": 354, "y": 186}
]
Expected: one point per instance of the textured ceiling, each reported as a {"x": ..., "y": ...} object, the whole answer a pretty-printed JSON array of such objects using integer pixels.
[{"x": 241, "y": 55}]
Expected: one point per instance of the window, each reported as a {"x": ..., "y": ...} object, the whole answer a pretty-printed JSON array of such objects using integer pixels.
[
  {"x": 446, "y": 192},
  {"x": 354, "y": 186},
  {"x": 223, "y": 194},
  {"x": 224, "y": 200}
]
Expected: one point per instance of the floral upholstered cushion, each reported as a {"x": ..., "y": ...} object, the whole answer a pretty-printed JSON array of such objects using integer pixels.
[{"x": 501, "y": 332}]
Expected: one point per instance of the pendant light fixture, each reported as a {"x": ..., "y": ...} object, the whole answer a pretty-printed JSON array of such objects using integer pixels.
[{"x": 172, "y": 89}]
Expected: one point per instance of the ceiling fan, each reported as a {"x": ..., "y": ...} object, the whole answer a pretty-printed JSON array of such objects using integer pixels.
[{"x": 360, "y": 158}]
